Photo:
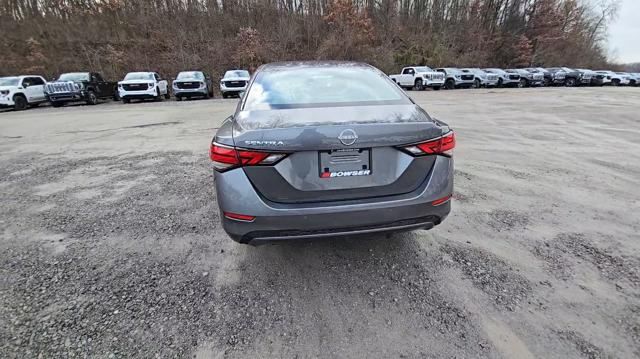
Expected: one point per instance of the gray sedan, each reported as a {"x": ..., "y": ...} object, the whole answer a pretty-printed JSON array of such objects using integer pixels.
[{"x": 350, "y": 154}]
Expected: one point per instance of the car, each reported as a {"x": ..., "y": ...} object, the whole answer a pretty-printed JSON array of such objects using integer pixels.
[
  {"x": 418, "y": 78},
  {"x": 351, "y": 154},
  {"x": 595, "y": 79},
  {"x": 635, "y": 79},
  {"x": 234, "y": 83},
  {"x": 456, "y": 78},
  {"x": 611, "y": 78},
  {"x": 20, "y": 92},
  {"x": 568, "y": 77},
  {"x": 190, "y": 84},
  {"x": 505, "y": 79},
  {"x": 625, "y": 78},
  {"x": 482, "y": 78},
  {"x": 528, "y": 78},
  {"x": 546, "y": 75},
  {"x": 88, "y": 87},
  {"x": 143, "y": 86}
]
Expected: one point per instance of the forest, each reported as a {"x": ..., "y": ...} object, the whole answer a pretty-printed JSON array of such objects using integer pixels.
[{"x": 116, "y": 36}]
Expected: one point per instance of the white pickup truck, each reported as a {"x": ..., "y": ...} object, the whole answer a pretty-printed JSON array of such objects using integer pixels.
[
  {"x": 418, "y": 78},
  {"x": 20, "y": 92}
]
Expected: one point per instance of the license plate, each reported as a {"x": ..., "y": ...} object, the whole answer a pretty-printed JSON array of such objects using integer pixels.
[{"x": 354, "y": 162}]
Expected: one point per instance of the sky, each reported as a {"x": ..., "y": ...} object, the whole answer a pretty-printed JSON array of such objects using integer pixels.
[{"x": 624, "y": 33}]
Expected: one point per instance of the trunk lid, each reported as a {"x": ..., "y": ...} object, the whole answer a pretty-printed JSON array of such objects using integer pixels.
[{"x": 337, "y": 153}]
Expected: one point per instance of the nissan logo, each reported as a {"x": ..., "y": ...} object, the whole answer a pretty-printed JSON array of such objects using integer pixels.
[{"x": 348, "y": 137}]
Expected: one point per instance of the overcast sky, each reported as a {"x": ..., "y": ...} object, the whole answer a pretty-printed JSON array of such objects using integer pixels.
[{"x": 624, "y": 33}]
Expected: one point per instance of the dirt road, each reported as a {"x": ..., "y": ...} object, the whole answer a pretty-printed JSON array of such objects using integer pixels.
[{"x": 110, "y": 245}]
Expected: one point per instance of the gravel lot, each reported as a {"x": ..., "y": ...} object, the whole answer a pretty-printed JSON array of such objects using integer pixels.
[{"x": 110, "y": 245}]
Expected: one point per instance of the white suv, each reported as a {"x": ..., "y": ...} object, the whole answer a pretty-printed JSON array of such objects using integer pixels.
[
  {"x": 234, "y": 82},
  {"x": 21, "y": 92},
  {"x": 143, "y": 85}
]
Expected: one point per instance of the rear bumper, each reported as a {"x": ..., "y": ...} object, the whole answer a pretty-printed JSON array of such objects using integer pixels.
[{"x": 277, "y": 221}]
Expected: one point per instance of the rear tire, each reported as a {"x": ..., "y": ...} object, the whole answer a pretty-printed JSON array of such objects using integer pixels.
[
  {"x": 522, "y": 83},
  {"x": 477, "y": 84},
  {"x": 418, "y": 85},
  {"x": 20, "y": 103}
]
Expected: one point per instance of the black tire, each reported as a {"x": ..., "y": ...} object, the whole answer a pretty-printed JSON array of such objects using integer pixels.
[
  {"x": 547, "y": 82},
  {"x": 92, "y": 99},
  {"x": 477, "y": 84},
  {"x": 500, "y": 83},
  {"x": 436, "y": 88},
  {"x": 615, "y": 82},
  {"x": 126, "y": 100},
  {"x": 57, "y": 104},
  {"x": 523, "y": 83},
  {"x": 450, "y": 84},
  {"x": 570, "y": 82},
  {"x": 418, "y": 85},
  {"x": 20, "y": 103}
]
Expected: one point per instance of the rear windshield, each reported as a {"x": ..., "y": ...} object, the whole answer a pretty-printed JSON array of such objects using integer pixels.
[
  {"x": 9, "y": 81},
  {"x": 321, "y": 87},
  {"x": 423, "y": 69}
]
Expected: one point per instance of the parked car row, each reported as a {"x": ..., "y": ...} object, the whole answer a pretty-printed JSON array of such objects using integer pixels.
[
  {"x": 21, "y": 92},
  {"x": 421, "y": 77}
]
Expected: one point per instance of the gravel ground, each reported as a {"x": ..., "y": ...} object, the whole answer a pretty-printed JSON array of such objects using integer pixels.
[{"x": 110, "y": 245}]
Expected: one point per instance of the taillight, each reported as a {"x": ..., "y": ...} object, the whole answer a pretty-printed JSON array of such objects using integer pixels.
[
  {"x": 227, "y": 157},
  {"x": 440, "y": 146}
]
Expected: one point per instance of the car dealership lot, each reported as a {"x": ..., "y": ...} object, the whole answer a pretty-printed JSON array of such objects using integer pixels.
[{"x": 111, "y": 247}]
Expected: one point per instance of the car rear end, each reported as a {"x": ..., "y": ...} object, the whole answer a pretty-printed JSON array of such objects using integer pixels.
[{"x": 352, "y": 155}]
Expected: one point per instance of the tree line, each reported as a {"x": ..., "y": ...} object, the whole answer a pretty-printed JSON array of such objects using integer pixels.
[{"x": 116, "y": 36}]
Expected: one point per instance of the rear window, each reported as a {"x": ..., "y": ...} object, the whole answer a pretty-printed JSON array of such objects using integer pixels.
[{"x": 321, "y": 87}]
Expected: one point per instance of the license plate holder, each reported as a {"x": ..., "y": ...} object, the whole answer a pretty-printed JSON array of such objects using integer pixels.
[{"x": 350, "y": 162}]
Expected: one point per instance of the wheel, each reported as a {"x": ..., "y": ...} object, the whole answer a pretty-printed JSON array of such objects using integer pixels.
[
  {"x": 522, "y": 83},
  {"x": 178, "y": 98},
  {"x": 500, "y": 82},
  {"x": 57, "y": 104},
  {"x": 126, "y": 100},
  {"x": 418, "y": 85},
  {"x": 547, "y": 82},
  {"x": 477, "y": 84},
  {"x": 92, "y": 99},
  {"x": 158, "y": 95},
  {"x": 615, "y": 82},
  {"x": 450, "y": 84},
  {"x": 20, "y": 103},
  {"x": 436, "y": 88},
  {"x": 570, "y": 82}
]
